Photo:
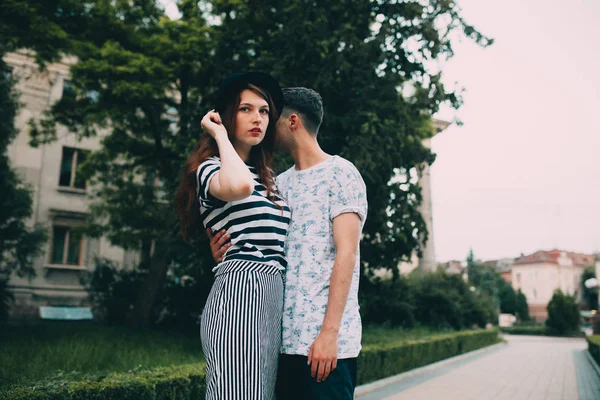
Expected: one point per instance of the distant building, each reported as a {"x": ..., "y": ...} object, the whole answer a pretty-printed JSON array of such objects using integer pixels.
[
  {"x": 60, "y": 200},
  {"x": 455, "y": 267},
  {"x": 539, "y": 274},
  {"x": 502, "y": 266}
]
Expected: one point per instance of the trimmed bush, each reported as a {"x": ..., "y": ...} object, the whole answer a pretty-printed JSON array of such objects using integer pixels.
[
  {"x": 538, "y": 330},
  {"x": 563, "y": 314},
  {"x": 594, "y": 347},
  {"x": 187, "y": 382},
  {"x": 377, "y": 362},
  {"x": 171, "y": 383}
]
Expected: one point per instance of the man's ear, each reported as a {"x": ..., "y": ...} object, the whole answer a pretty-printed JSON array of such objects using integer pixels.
[{"x": 293, "y": 121}]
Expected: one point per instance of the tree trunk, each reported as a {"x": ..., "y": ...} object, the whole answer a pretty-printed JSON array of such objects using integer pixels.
[{"x": 146, "y": 300}]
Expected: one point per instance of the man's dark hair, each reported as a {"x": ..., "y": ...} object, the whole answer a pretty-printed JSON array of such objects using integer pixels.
[{"x": 305, "y": 102}]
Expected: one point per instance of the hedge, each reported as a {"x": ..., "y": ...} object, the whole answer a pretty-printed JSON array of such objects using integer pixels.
[
  {"x": 539, "y": 330},
  {"x": 377, "y": 362},
  {"x": 171, "y": 383},
  {"x": 187, "y": 382},
  {"x": 594, "y": 347}
]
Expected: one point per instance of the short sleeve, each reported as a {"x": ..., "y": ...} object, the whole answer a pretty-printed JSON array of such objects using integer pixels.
[
  {"x": 206, "y": 171},
  {"x": 348, "y": 192}
]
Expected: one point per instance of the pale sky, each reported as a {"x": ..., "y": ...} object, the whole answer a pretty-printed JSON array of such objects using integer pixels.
[{"x": 520, "y": 174}]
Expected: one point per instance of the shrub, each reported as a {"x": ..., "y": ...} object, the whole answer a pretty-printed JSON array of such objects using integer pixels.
[
  {"x": 563, "y": 314},
  {"x": 187, "y": 382},
  {"x": 6, "y": 299},
  {"x": 112, "y": 291},
  {"x": 181, "y": 383},
  {"x": 594, "y": 347},
  {"x": 388, "y": 302},
  {"x": 377, "y": 362}
]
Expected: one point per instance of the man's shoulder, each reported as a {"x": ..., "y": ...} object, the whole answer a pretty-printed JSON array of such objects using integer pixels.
[
  {"x": 283, "y": 177},
  {"x": 345, "y": 170}
]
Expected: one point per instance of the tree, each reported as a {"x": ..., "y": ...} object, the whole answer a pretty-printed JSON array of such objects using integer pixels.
[
  {"x": 152, "y": 79},
  {"x": 473, "y": 269},
  {"x": 590, "y": 295},
  {"x": 356, "y": 53},
  {"x": 149, "y": 76},
  {"x": 508, "y": 297},
  {"x": 41, "y": 27},
  {"x": 522, "y": 307},
  {"x": 563, "y": 314}
]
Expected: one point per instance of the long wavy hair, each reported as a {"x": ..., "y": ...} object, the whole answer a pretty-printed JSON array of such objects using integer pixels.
[{"x": 261, "y": 157}]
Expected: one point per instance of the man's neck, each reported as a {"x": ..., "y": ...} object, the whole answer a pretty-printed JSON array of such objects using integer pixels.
[{"x": 307, "y": 152}]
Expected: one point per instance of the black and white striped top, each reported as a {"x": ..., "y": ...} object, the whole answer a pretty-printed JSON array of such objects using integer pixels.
[{"x": 258, "y": 228}]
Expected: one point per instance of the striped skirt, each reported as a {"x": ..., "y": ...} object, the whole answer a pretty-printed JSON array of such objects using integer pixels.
[{"x": 241, "y": 331}]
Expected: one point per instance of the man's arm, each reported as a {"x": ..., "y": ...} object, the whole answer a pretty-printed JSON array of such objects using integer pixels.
[{"x": 323, "y": 352}]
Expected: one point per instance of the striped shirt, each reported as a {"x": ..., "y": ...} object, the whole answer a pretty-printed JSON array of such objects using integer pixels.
[{"x": 258, "y": 228}]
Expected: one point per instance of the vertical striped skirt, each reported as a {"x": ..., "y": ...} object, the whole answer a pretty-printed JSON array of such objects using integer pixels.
[{"x": 241, "y": 331}]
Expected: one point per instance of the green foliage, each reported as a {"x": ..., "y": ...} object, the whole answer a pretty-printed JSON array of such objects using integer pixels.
[
  {"x": 19, "y": 243},
  {"x": 112, "y": 291},
  {"x": 377, "y": 362},
  {"x": 68, "y": 351},
  {"x": 154, "y": 78},
  {"x": 594, "y": 347},
  {"x": 389, "y": 302},
  {"x": 563, "y": 314},
  {"x": 539, "y": 330},
  {"x": 401, "y": 351},
  {"x": 6, "y": 299},
  {"x": 436, "y": 300},
  {"x": 168, "y": 383},
  {"x": 522, "y": 307},
  {"x": 590, "y": 296}
]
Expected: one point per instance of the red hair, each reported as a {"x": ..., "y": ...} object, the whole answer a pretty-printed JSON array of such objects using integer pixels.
[{"x": 261, "y": 157}]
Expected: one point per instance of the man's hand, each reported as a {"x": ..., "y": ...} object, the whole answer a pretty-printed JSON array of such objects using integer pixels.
[
  {"x": 322, "y": 356},
  {"x": 219, "y": 243}
]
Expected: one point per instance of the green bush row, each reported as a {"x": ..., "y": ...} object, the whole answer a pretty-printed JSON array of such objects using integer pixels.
[
  {"x": 377, "y": 362},
  {"x": 170, "y": 383},
  {"x": 525, "y": 330},
  {"x": 594, "y": 347},
  {"x": 187, "y": 382},
  {"x": 538, "y": 330}
]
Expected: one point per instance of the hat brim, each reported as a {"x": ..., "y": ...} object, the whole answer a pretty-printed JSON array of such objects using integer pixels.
[{"x": 235, "y": 83}]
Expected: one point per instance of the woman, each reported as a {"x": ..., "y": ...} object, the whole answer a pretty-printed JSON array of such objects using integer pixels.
[{"x": 228, "y": 185}]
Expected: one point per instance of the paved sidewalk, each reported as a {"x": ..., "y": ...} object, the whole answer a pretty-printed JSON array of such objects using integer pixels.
[{"x": 528, "y": 368}]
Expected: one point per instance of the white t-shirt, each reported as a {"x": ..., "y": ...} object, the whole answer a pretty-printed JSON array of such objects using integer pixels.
[{"x": 316, "y": 196}]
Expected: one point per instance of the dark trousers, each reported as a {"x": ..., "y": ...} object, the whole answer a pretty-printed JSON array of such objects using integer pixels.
[{"x": 295, "y": 382}]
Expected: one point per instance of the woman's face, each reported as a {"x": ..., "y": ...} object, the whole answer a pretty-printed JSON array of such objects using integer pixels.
[{"x": 252, "y": 119}]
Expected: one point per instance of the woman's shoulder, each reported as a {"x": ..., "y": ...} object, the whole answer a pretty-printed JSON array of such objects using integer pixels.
[{"x": 210, "y": 161}]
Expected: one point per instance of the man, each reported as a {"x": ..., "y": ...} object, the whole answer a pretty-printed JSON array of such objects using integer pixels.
[{"x": 321, "y": 330}]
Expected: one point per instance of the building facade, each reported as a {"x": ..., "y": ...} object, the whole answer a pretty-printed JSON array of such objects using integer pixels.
[
  {"x": 60, "y": 198},
  {"x": 539, "y": 274}
]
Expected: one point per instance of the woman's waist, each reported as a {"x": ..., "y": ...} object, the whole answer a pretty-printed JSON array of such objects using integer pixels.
[{"x": 241, "y": 262}]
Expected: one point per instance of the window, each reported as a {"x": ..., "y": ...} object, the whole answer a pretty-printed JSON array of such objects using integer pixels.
[
  {"x": 68, "y": 89},
  {"x": 69, "y": 92},
  {"x": 66, "y": 246},
  {"x": 71, "y": 159},
  {"x": 7, "y": 73}
]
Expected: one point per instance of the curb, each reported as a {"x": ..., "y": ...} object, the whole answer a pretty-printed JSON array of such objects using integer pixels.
[
  {"x": 369, "y": 387},
  {"x": 593, "y": 362}
]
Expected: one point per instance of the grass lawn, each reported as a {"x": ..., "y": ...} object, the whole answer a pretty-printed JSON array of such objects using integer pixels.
[
  {"x": 64, "y": 351},
  {"x": 72, "y": 350}
]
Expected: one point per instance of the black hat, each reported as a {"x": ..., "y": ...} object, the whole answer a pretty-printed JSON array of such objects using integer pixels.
[{"x": 235, "y": 83}]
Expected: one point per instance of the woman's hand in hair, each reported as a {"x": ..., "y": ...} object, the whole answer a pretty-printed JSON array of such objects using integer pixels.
[{"x": 212, "y": 124}]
